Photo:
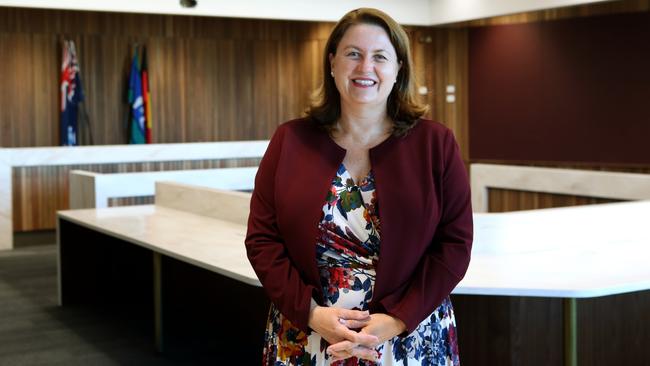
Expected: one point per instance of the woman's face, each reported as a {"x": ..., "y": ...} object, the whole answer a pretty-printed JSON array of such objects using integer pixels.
[{"x": 365, "y": 66}]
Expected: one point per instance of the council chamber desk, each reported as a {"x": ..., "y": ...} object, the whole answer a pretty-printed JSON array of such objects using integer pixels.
[
  {"x": 564, "y": 254},
  {"x": 559, "y": 284}
]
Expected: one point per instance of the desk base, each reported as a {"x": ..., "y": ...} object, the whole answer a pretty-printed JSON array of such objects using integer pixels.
[
  {"x": 513, "y": 331},
  {"x": 203, "y": 311}
]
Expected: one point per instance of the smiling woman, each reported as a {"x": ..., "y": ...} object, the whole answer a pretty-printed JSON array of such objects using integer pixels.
[
  {"x": 402, "y": 106},
  {"x": 364, "y": 67},
  {"x": 360, "y": 222}
]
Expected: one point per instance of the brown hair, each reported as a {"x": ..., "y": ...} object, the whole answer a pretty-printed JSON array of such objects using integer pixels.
[{"x": 402, "y": 106}]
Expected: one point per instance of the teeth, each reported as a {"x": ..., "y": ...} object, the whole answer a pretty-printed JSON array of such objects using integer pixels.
[{"x": 365, "y": 82}]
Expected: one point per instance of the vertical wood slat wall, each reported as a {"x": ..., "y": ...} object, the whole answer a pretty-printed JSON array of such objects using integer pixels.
[
  {"x": 504, "y": 200},
  {"x": 42, "y": 190},
  {"x": 212, "y": 79}
]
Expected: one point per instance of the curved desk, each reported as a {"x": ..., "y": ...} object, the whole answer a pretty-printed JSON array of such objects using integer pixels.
[{"x": 568, "y": 253}]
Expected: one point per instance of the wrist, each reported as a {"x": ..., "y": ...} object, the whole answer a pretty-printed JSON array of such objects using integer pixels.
[
  {"x": 312, "y": 309},
  {"x": 400, "y": 326}
]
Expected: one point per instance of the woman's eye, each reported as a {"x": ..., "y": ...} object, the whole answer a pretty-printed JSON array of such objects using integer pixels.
[
  {"x": 381, "y": 57},
  {"x": 353, "y": 54}
]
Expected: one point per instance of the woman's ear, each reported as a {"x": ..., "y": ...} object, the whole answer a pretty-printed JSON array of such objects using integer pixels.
[{"x": 331, "y": 57}]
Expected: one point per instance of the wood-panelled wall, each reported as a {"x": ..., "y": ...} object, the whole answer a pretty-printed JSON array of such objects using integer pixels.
[
  {"x": 440, "y": 57},
  {"x": 504, "y": 200},
  {"x": 212, "y": 79},
  {"x": 40, "y": 191}
]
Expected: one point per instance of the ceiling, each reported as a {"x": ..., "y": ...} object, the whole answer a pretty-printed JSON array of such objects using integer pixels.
[{"x": 411, "y": 12}]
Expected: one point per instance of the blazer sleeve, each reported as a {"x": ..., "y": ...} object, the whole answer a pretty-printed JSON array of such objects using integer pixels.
[
  {"x": 447, "y": 257},
  {"x": 265, "y": 245}
]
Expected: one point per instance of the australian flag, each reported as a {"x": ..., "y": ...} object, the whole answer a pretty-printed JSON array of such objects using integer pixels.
[{"x": 71, "y": 95}]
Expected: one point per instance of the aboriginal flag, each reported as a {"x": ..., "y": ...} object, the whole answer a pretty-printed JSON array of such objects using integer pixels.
[{"x": 146, "y": 96}]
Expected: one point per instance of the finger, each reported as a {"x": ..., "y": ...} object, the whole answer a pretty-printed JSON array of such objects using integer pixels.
[
  {"x": 354, "y": 324},
  {"x": 337, "y": 356},
  {"x": 353, "y": 314},
  {"x": 365, "y": 339},
  {"x": 365, "y": 353},
  {"x": 341, "y": 346},
  {"x": 334, "y": 359}
]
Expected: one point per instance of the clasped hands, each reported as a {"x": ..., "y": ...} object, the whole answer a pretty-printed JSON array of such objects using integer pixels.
[{"x": 353, "y": 333}]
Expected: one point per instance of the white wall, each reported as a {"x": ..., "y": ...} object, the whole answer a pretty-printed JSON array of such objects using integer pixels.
[{"x": 450, "y": 11}]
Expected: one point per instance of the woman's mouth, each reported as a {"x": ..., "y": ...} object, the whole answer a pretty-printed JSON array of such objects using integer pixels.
[{"x": 364, "y": 82}]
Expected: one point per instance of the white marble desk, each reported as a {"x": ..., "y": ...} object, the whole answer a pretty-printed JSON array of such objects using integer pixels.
[
  {"x": 569, "y": 253},
  {"x": 209, "y": 243}
]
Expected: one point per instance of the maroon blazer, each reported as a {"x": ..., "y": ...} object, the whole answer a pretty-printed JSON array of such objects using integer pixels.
[{"x": 424, "y": 210}]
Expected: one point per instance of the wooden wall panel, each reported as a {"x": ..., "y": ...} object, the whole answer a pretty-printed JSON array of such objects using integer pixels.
[
  {"x": 42, "y": 92},
  {"x": 504, "y": 200},
  {"x": 200, "y": 102},
  {"x": 211, "y": 78},
  {"x": 513, "y": 331},
  {"x": 501, "y": 200},
  {"x": 226, "y": 57},
  {"x": 104, "y": 61},
  {"x": 40, "y": 191},
  {"x": 615, "y": 330},
  {"x": 440, "y": 57},
  {"x": 509, "y": 331},
  {"x": 424, "y": 63},
  {"x": 169, "y": 107},
  {"x": 266, "y": 73},
  {"x": 29, "y": 105}
]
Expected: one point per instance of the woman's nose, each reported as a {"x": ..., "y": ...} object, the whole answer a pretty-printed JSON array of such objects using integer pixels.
[{"x": 365, "y": 64}]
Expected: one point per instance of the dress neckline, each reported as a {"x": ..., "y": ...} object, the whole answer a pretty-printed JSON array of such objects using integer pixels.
[{"x": 358, "y": 184}]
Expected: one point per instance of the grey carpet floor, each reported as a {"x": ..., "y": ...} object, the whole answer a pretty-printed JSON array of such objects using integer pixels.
[{"x": 34, "y": 330}]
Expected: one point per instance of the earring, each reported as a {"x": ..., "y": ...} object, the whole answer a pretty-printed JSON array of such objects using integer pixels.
[{"x": 332, "y": 73}]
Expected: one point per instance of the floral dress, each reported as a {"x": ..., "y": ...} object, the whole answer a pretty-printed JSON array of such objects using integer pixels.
[{"x": 347, "y": 251}]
